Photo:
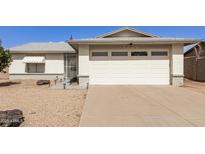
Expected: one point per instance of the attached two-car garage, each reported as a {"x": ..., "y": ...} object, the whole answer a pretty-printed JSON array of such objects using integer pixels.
[
  {"x": 130, "y": 57},
  {"x": 128, "y": 68}
]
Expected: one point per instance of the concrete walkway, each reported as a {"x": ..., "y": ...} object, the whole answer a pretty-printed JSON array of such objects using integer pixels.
[{"x": 143, "y": 106}]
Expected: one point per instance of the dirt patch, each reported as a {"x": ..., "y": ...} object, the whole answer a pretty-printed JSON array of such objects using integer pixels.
[
  {"x": 43, "y": 106},
  {"x": 4, "y": 76}
]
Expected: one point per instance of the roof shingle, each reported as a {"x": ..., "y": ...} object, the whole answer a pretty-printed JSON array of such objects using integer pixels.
[{"x": 55, "y": 47}]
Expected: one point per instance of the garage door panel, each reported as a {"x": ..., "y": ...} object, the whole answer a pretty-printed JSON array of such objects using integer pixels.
[{"x": 139, "y": 72}]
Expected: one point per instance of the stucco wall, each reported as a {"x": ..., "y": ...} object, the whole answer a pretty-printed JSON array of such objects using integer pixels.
[
  {"x": 177, "y": 65},
  {"x": 35, "y": 76},
  {"x": 83, "y": 61},
  {"x": 54, "y": 65},
  {"x": 17, "y": 66},
  {"x": 177, "y": 59}
]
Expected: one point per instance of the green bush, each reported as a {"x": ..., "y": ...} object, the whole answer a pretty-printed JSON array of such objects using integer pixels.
[{"x": 5, "y": 58}]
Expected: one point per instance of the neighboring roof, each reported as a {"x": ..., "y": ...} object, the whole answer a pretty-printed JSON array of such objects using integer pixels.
[
  {"x": 43, "y": 47},
  {"x": 126, "y": 28},
  {"x": 134, "y": 40},
  {"x": 190, "y": 47}
]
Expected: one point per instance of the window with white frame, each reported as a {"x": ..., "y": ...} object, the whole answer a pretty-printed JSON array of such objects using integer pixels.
[{"x": 35, "y": 67}]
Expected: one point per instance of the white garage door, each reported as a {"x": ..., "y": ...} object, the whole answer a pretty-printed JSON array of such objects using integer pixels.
[{"x": 139, "y": 68}]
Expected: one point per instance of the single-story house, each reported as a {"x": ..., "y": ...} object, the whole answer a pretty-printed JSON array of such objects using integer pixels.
[
  {"x": 123, "y": 57},
  {"x": 194, "y": 61}
]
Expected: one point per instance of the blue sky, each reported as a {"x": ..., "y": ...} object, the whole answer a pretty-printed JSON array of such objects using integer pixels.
[{"x": 12, "y": 36}]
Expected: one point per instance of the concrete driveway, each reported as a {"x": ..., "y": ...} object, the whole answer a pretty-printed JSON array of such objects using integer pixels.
[{"x": 143, "y": 106}]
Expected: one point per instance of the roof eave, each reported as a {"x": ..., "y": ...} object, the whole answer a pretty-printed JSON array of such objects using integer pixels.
[
  {"x": 33, "y": 51},
  {"x": 133, "y": 42}
]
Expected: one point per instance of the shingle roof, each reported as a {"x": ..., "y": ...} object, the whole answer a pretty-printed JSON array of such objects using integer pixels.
[{"x": 53, "y": 47}]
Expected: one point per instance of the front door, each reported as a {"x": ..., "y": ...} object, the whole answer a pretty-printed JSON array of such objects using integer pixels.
[{"x": 70, "y": 66}]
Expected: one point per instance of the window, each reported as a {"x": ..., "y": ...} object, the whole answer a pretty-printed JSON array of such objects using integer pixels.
[
  {"x": 35, "y": 68},
  {"x": 139, "y": 53},
  {"x": 159, "y": 53},
  {"x": 100, "y": 54},
  {"x": 119, "y": 53}
]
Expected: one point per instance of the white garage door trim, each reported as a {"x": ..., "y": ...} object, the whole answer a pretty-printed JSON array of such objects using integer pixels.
[{"x": 129, "y": 70}]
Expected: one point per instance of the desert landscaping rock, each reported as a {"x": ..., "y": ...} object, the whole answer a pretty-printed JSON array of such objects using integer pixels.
[
  {"x": 43, "y": 82},
  {"x": 8, "y": 83},
  {"x": 11, "y": 118}
]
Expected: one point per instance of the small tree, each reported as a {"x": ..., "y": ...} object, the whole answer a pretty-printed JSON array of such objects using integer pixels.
[{"x": 5, "y": 58}]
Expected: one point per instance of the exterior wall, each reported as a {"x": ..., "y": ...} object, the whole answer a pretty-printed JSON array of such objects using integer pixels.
[
  {"x": 17, "y": 66},
  {"x": 177, "y": 65},
  {"x": 54, "y": 66},
  {"x": 5, "y": 75},
  {"x": 34, "y": 76},
  {"x": 194, "y": 63},
  {"x": 83, "y": 64}
]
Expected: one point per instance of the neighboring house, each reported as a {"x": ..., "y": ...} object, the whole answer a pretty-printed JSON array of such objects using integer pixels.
[
  {"x": 194, "y": 61},
  {"x": 123, "y": 57}
]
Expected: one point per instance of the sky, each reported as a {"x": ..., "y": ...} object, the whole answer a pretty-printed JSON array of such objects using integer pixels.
[{"x": 16, "y": 35}]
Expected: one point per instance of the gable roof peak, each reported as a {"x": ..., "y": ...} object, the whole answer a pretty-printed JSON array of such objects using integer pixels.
[{"x": 134, "y": 30}]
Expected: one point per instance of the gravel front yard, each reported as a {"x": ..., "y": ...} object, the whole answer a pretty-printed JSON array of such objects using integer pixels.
[{"x": 43, "y": 106}]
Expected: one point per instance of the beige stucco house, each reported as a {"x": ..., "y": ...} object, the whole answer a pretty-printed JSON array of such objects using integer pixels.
[{"x": 123, "y": 57}]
